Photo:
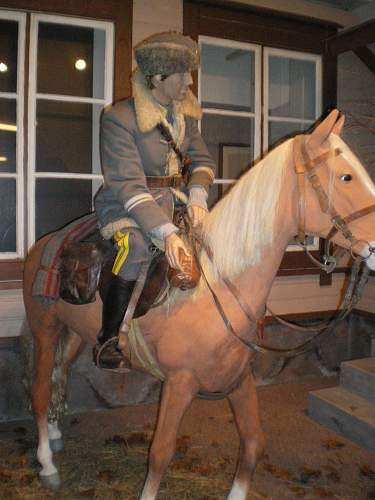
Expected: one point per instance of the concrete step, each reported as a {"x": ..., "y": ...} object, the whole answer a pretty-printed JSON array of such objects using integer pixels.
[
  {"x": 358, "y": 376},
  {"x": 345, "y": 413}
]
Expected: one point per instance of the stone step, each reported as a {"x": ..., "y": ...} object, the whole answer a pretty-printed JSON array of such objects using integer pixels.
[
  {"x": 345, "y": 413},
  {"x": 358, "y": 376}
]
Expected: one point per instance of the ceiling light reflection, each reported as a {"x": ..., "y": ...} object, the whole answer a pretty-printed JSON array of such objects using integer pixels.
[
  {"x": 80, "y": 64},
  {"x": 3, "y": 67},
  {"x": 3, "y": 158},
  {"x": 8, "y": 127}
]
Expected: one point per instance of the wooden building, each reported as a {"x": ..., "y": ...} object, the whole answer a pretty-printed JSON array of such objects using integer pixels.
[{"x": 267, "y": 72}]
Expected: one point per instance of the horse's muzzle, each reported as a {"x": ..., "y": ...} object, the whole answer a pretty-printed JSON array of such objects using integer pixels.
[{"x": 370, "y": 255}]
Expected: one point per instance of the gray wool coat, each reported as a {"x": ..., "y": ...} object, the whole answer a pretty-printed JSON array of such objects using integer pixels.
[{"x": 133, "y": 148}]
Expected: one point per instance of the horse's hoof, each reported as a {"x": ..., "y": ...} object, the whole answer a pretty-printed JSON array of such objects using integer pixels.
[
  {"x": 56, "y": 445},
  {"x": 52, "y": 482}
]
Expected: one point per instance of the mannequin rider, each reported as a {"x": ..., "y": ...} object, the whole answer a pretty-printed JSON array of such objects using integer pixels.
[{"x": 141, "y": 169}]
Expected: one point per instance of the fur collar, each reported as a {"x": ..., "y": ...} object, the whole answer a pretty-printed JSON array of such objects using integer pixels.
[{"x": 149, "y": 113}]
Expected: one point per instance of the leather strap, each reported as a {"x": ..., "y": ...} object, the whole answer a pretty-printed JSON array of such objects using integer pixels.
[
  {"x": 350, "y": 218},
  {"x": 300, "y": 171},
  {"x": 311, "y": 166},
  {"x": 156, "y": 181},
  {"x": 352, "y": 296},
  {"x": 126, "y": 322},
  {"x": 303, "y": 164},
  {"x": 185, "y": 160}
]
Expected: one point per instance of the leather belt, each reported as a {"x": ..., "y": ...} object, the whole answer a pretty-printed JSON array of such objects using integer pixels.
[{"x": 159, "y": 181}]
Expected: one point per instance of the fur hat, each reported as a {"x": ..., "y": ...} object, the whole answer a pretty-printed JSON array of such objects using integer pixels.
[{"x": 167, "y": 53}]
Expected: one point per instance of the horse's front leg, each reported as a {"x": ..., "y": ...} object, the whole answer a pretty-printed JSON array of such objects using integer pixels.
[
  {"x": 178, "y": 392},
  {"x": 244, "y": 404}
]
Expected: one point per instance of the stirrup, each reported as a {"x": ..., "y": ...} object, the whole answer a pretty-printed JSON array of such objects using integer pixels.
[{"x": 124, "y": 365}]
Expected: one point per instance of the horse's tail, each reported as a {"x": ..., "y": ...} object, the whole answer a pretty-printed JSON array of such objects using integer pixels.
[
  {"x": 27, "y": 355},
  {"x": 57, "y": 404}
]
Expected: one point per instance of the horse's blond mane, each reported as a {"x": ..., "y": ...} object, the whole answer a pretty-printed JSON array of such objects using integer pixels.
[{"x": 242, "y": 223}]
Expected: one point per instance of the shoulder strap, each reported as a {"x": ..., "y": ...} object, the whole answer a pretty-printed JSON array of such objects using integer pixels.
[{"x": 184, "y": 160}]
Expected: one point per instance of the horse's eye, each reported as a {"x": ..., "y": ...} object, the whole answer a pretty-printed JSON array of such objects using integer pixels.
[{"x": 346, "y": 177}]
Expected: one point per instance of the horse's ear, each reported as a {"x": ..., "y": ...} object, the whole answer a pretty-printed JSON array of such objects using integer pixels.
[
  {"x": 339, "y": 125},
  {"x": 323, "y": 130}
]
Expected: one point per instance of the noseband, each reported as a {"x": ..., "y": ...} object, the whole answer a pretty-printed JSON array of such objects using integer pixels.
[{"x": 307, "y": 167}]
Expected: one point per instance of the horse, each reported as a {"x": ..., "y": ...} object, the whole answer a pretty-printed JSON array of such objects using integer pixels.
[{"x": 247, "y": 232}]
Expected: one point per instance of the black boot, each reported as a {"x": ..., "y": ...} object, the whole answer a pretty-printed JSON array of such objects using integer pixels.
[{"x": 114, "y": 308}]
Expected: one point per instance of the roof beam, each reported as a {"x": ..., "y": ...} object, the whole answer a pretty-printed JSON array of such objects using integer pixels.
[
  {"x": 352, "y": 39},
  {"x": 367, "y": 57}
]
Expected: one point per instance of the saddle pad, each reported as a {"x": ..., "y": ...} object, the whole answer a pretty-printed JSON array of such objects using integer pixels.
[{"x": 47, "y": 282}]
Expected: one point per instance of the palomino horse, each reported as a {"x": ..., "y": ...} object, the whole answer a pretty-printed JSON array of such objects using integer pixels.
[{"x": 247, "y": 232}]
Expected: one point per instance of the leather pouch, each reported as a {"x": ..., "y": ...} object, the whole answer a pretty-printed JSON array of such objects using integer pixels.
[{"x": 80, "y": 266}]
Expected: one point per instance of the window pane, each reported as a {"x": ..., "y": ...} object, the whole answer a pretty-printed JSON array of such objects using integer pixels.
[
  {"x": 227, "y": 78},
  {"x": 67, "y": 137},
  {"x": 59, "y": 202},
  {"x": 8, "y": 215},
  {"x": 280, "y": 130},
  {"x": 230, "y": 142},
  {"x": 8, "y": 135},
  {"x": 292, "y": 89},
  {"x": 60, "y": 49},
  {"x": 8, "y": 55}
]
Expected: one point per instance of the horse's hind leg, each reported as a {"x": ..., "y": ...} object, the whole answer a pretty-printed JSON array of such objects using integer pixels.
[
  {"x": 46, "y": 337},
  {"x": 178, "y": 393},
  {"x": 244, "y": 404},
  {"x": 68, "y": 349}
]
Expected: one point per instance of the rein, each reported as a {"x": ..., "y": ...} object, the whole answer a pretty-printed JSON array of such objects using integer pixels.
[
  {"x": 304, "y": 166},
  {"x": 352, "y": 295}
]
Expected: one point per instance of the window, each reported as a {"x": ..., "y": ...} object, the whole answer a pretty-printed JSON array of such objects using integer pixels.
[
  {"x": 26, "y": 176},
  {"x": 292, "y": 100},
  {"x": 292, "y": 93},
  {"x": 230, "y": 92},
  {"x": 12, "y": 56},
  {"x": 70, "y": 83},
  {"x": 290, "y": 45},
  {"x": 70, "y": 80}
]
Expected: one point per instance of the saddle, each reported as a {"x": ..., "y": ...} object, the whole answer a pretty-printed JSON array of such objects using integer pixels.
[{"x": 86, "y": 266}]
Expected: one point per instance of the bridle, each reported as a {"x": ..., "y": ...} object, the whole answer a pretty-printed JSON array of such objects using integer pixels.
[
  {"x": 307, "y": 167},
  {"x": 304, "y": 167}
]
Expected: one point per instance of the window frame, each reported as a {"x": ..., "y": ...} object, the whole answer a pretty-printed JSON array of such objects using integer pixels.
[
  {"x": 266, "y": 27},
  {"x": 261, "y": 117},
  {"x": 289, "y": 54},
  {"x": 18, "y": 175},
  {"x": 34, "y": 96}
]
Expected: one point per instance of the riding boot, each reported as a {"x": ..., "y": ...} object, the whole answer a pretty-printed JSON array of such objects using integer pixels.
[{"x": 114, "y": 308}]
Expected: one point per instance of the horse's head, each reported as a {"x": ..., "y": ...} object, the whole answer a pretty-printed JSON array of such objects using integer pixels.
[{"x": 340, "y": 193}]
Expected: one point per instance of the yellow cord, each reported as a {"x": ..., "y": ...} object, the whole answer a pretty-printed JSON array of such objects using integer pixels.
[{"x": 122, "y": 241}]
